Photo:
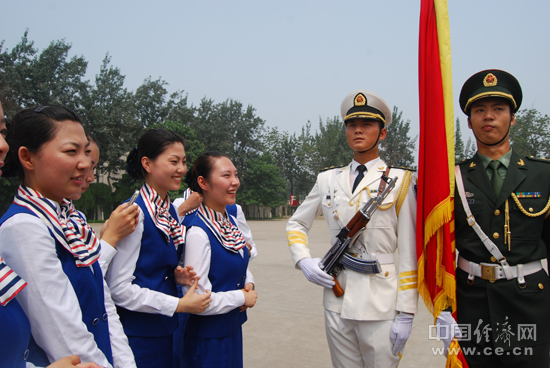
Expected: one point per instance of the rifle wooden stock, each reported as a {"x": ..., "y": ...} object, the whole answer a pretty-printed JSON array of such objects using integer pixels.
[{"x": 337, "y": 289}]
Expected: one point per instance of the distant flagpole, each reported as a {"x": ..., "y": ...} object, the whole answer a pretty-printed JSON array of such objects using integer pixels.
[{"x": 435, "y": 210}]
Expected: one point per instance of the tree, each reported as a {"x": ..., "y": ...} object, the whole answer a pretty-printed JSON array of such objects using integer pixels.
[
  {"x": 264, "y": 185},
  {"x": 29, "y": 79},
  {"x": 285, "y": 149},
  {"x": 229, "y": 128},
  {"x": 398, "y": 148},
  {"x": 330, "y": 145},
  {"x": 459, "y": 143},
  {"x": 110, "y": 116},
  {"x": 530, "y": 134}
]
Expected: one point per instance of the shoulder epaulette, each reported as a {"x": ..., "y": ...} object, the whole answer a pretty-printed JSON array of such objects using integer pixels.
[
  {"x": 403, "y": 168},
  {"x": 330, "y": 168},
  {"x": 539, "y": 159}
]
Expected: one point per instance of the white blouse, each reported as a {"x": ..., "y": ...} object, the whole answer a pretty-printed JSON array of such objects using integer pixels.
[{"x": 50, "y": 301}]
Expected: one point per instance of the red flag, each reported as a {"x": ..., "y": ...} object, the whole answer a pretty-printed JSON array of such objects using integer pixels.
[{"x": 435, "y": 219}]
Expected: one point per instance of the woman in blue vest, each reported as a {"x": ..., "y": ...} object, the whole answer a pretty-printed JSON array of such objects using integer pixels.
[
  {"x": 142, "y": 275},
  {"x": 64, "y": 300},
  {"x": 216, "y": 249}
]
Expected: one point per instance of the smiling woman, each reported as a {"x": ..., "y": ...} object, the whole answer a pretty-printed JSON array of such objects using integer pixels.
[
  {"x": 143, "y": 273},
  {"x": 215, "y": 247},
  {"x": 65, "y": 295}
]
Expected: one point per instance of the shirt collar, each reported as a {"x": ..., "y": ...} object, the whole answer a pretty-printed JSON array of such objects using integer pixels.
[
  {"x": 369, "y": 165},
  {"x": 504, "y": 159}
]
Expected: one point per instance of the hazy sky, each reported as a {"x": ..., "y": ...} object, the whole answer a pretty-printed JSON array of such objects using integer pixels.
[{"x": 293, "y": 61}]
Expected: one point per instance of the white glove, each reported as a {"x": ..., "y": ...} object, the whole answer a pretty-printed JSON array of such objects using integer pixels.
[
  {"x": 310, "y": 268},
  {"x": 447, "y": 329},
  {"x": 400, "y": 331}
]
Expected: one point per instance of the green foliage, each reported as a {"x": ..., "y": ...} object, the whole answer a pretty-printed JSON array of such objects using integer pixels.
[
  {"x": 264, "y": 184},
  {"x": 28, "y": 79},
  {"x": 271, "y": 164},
  {"x": 231, "y": 129},
  {"x": 398, "y": 148},
  {"x": 530, "y": 135},
  {"x": 97, "y": 196},
  {"x": 8, "y": 189},
  {"x": 459, "y": 143},
  {"x": 110, "y": 116},
  {"x": 331, "y": 145},
  {"x": 124, "y": 188}
]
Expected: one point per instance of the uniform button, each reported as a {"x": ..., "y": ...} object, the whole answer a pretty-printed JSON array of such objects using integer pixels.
[
  {"x": 166, "y": 278},
  {"x": 496, "y": 236},
  {"x": 95, "y": 321},
  {"x": 493, "y": 259},
  {"x": 26, "y": 354},
  {"x": 328, "y": 204},
  {"x": 104, "y": 316},
  {"x": 244, "y": 277},
  {"x": 530, "y": 209},
  {"x": 239, "y": 284},
  {"x": 541, "y": 286},
  {"x": 497, "y": 212},
  {"x": 351, "y": 203},
  {"x": 387, "y": 273}
]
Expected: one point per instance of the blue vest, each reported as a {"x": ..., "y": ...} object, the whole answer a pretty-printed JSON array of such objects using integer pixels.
[
  {"x": 227, "y": 272},
  {"x": 88, "y": 287},
  {"x": 15, "y": 335},
  {"x": 155, "y": 267}
]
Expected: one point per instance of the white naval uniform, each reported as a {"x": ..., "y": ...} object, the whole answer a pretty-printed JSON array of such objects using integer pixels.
[{"x": 375, "y": 297}]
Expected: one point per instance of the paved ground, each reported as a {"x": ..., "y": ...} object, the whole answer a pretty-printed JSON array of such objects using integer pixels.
[{"x": 286, "y": 327}]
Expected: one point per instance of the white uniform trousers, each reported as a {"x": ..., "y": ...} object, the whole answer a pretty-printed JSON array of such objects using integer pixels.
[{"x": 359, "y": 344}]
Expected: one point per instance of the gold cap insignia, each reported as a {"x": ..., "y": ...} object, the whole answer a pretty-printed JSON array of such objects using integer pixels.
[
  {"x": 472, "y": 164},
  {"x": 360, "y": 100},
  {"x": 490, "y": 80},
  {"x": 521, "y": 163}
]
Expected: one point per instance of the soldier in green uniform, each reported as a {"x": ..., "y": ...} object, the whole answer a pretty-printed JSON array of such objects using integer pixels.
[{"x": 502, "y": 286}]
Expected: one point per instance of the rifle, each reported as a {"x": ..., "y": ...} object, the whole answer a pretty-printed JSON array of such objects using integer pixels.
[{"x": 331, "y": 261}]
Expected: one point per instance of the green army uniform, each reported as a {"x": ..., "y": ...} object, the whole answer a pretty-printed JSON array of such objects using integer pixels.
[
  {"x": 505, "y": 300},
  {"x": 504, "y": 312}
]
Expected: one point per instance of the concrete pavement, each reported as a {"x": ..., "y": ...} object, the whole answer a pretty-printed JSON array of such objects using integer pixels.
[{"x": 286, "y": 327}]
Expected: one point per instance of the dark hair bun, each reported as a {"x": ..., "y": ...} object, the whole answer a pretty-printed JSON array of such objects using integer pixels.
[{"x": 133, "y": 166}]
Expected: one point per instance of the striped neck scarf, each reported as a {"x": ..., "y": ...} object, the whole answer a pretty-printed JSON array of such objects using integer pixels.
[
  {"x": 75, "y": 236},
  {"x": 229, "y": 235},
  {"x": 159, "y": 211},
  {"x": 10, "y": 283}
]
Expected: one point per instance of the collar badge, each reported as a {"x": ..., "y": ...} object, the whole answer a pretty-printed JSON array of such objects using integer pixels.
[{"x": 521, "y": 163}]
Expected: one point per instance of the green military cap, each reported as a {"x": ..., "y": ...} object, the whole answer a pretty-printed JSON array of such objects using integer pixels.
[
  {"x": 491, "y": 83},
  {"x": 366, "y": 105}
]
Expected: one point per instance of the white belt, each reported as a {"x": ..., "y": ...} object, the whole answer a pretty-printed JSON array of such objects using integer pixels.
[{"x": 493, "y": 272}]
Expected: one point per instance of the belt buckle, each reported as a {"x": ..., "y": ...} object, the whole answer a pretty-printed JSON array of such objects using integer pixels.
[{"x": 488, "y": 272}]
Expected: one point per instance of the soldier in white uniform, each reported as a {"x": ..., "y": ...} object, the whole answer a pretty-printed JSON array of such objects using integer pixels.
[{"x": 369, "y": 325}]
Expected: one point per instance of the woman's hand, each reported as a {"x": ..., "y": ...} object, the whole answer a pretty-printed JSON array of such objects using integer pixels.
[
  {"x": 193, "y": 302},
  {"x": 70, "y": 362},
  {"x": 190, "y": 203},
  {"x": 250, "y": 296},
  {"x": 123, "y": 222},
  {"x": 247, "y": 288},
  {"x": 185, "y": 275}
]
